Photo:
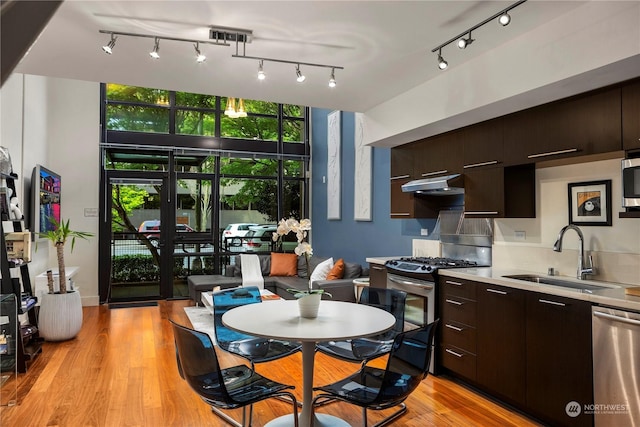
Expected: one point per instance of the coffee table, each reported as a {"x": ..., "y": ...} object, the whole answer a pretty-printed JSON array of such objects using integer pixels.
[
  {"x": 336, "y": 321},
  {"x": 207, "y": 298}
]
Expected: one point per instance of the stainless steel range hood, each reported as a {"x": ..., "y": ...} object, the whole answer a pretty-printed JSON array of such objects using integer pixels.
[{"x": 440, "y": 186}]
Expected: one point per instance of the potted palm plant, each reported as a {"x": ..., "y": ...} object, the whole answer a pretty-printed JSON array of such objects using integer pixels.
[{"x": 60, "y": 315}]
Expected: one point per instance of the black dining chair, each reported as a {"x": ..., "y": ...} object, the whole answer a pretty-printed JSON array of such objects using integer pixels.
[
  {"x": 254, "y": 349},
  {"x": 378, "y": 389},
  {"x": 228, "y": 388},
  {"x": 364, "y": 349}
]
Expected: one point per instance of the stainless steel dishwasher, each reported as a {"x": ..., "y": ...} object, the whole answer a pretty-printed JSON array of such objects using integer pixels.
[{"x": 616, "y": 367}]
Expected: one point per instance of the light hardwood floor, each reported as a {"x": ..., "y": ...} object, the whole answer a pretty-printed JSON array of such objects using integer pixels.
[{"x": 121, "y": 371}]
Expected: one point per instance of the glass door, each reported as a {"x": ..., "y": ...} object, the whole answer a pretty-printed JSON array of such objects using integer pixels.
[
  {"x": 194, "y": 248},
  {"x": 140, "y": 243}
]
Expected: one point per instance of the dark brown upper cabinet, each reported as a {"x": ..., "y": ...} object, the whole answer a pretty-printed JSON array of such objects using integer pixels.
[
  {"x": 585, "y": 124},
  {"x": 482, "y": 144},
  {"x": 402, "y": 161},
  {"x": 631, "y": 116},
  {"x": 439, "y": 155},
  {"x": 500, "y": 192}
]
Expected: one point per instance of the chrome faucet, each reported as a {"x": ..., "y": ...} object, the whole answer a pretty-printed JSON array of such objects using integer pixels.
[{"x": 557, "y": 246}]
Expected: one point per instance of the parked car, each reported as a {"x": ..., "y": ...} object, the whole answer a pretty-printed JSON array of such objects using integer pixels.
[
  {"x": 260, "y": 239},
  {"x": 151, "y": 229},
  {"x": 233, "y": 232}
]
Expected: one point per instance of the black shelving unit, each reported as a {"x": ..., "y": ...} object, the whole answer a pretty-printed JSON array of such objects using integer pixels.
[{"x": 29, "y": 344}]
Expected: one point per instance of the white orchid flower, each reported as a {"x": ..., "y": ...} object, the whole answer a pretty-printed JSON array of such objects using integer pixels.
[{"x": 304, "y": 248}]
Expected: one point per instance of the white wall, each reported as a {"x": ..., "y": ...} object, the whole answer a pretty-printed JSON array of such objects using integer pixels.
[
  {"x": 616, "y": 249},
  {"x": 595, "y": 45},
  {"x": 55, "y": 122}
]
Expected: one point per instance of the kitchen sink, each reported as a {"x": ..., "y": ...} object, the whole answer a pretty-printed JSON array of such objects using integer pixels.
[{"x": 546, "y": 280}]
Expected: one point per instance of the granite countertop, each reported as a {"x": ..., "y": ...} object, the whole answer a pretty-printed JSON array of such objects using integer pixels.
[{"x": 612, "y": 294}]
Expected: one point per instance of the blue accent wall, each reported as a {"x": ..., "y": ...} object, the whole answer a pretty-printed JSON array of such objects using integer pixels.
[{"x": 347, "y": 238}]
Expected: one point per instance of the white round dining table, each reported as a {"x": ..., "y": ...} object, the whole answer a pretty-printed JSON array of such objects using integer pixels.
[{"x": 336, "y": 321}]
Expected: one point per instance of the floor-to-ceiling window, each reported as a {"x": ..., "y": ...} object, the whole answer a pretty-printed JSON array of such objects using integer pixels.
[{"x": 185, "y": 178}]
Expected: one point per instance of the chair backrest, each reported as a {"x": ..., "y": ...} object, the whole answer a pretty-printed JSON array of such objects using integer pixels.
[
  {"x": 408, "y": 363},
  {"x": 198, "y": 363},
  {"x": 226, "y": 338},
  {"x": 390, "y": 300}
]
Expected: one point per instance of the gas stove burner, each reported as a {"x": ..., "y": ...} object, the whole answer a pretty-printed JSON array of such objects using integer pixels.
[
  {"x": 440, "y": 262},
  {"x": 425, "y": 265}
]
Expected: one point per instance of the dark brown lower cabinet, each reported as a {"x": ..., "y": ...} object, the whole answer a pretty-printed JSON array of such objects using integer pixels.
[
  {"x": 501, "y": 357},
  {"x": 559, "y": 359}
]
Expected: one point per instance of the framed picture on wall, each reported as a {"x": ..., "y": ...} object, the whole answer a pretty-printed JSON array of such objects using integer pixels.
[{"x": 590, "y": 203}]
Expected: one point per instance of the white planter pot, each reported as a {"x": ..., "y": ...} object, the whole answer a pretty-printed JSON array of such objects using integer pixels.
[
  {"x": 309, "y": 305},
  {"x": 60, "y": 316}
]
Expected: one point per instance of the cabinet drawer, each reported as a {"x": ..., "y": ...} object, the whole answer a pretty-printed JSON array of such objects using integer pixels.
[
  {"x": 459, "y": 310},
  {"x": 459, "y": 335},
  {"x": 459, "y": 361},
  {"x": 458, "y": 287}
]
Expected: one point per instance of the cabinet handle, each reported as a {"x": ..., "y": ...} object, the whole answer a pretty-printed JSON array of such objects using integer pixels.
[
  {"x": 442, "y": 172},
  {"x": 450, "y": 301},
  {"x": 477, "y": 165},
  {"x": 546, "y": 301},
  {"x": 399, "y": 177},
  {"x": 454, "y": 353},
  {"x": 455, "y": 328},
  {"x": 552, "y": 153},
  {"x": 451, "y": 282},
  {"x": 496, "y": 291},
  {"x": 480, "y": 212},
  {"x": 400, "y": 213}
]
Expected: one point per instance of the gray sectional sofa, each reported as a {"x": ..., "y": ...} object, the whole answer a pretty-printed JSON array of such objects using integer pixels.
[{"x": 340, "y": 289}]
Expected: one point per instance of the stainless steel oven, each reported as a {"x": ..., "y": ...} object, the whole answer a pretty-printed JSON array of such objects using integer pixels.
[{"x": 420, "y": 303}]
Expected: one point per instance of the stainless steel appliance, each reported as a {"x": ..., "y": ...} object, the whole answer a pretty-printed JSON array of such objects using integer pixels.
[
  {"x": 631, "y": 183},
  {"x": 616, "y": 367}
]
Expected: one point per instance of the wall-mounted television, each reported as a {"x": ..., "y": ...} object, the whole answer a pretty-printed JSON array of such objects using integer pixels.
[{"x": 45, "y": 199}]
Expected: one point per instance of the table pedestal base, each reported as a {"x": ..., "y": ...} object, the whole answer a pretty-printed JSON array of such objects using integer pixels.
[{"x": 321, "y": 420}]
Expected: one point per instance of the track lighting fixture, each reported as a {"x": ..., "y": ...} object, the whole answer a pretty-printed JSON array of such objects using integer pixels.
[
  {"x": 109, "y": 46},
  {"x": 220, "y": 37},
  {"x": 299, "y": 76},
  {"x": 332, "y": 78},
  {"x": 503, "y": 18},
  {"x": 442, "y": 64},
  {"x": 156, "y": 47},
  {"x": 200, "y": 58},
  {"x": 463, "y": 43}
]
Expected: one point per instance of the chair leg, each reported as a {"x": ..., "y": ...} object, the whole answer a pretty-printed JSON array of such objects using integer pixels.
[
  {"x": 390, "y": 418},
  {"x": 226, "y": 417}
]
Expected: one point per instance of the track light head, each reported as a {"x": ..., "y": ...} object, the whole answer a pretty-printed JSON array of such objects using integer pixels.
[
  {"x": 442, "y": 64},
  {"x": 463, "y": 43},
  {"x": 332, "y": 78},
  {"x": 504, "y": 19},
  {"x": 156, "y": 47},
  {"x": 109, "y": 46},
  {"x": 200, "y": 58},
  {"x": 261, "y": 74},
  {"x": 299, "y": 76}
]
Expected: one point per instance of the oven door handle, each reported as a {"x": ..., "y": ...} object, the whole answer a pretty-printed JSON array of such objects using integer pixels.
[{"x": 409, "y": 283}]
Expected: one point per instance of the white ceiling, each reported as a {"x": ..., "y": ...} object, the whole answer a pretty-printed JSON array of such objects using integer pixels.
[{"x": 384, "y": 46}]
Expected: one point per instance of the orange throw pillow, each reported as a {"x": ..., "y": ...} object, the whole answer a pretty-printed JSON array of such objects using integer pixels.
[
  {"x": 284, "y": 264},
  {"x": 337, "y": 272}
]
